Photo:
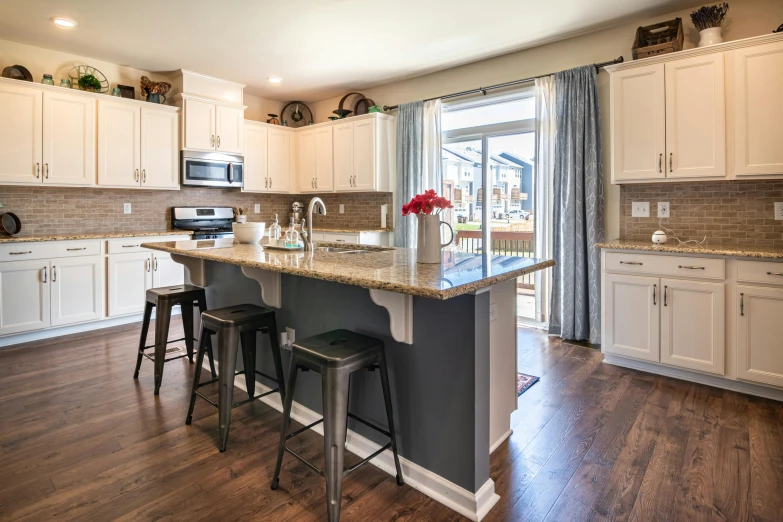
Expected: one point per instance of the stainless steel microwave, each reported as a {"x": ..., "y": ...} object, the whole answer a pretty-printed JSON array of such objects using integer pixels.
[{"x": 211, "y": 169}]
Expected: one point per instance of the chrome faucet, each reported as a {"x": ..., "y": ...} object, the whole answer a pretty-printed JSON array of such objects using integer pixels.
[{"x": 308, "y": 240}]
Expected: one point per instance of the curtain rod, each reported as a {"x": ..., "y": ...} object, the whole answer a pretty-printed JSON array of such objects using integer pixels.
[{"x": 483, "y": 90}]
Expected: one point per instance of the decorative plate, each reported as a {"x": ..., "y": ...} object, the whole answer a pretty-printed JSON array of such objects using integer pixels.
[{"x": 83, "y": 70}]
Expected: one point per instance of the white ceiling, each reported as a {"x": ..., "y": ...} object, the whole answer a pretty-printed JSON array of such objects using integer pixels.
[{"x": 320, "y": 48}]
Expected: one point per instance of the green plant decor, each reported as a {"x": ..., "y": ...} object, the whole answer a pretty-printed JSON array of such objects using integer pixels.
[{"x": 88, "y": 82}]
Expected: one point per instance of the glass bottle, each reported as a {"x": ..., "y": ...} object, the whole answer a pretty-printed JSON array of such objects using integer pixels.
[
  {"x": 65, "y": 82},
  {"x": 47, "y": 79},
  {"x": 292, "y": 236},
  {"x": 275, "y": 231}
]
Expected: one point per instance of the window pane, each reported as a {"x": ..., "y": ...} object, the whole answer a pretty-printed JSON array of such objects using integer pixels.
[
  {"x": 503, "y": 112},
  {"x": 462, "y": 182}
]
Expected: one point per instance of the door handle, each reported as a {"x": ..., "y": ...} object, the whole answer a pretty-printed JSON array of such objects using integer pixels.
[
  {"x": 631, "y": 263},
  {"x": 655, "y": 288},
  {"x": 212, "y": 141},
  {"x": 20, "y": 253},
  {"x": 270, "y": 182},
  {"x": 671, "y": 156},
  {"x": 136, "y": 174},
  {"x": 155, "y": 268},
  {"x": 316, "y": 182},
  {"x": 218, "y": 141},
  {"x": 75, "y": 249},
  {"x": 144, "y": 175},
  {"x": 44, "y": 274},
  {"x": 691, "y": 267},
  {"x": 147, "y": 264},
  {"x": 130, "y": 246},
  {"x": 46, "y": 169},
  {"x": 266, "y": 182},
  {"x": 742, "y": 305},
  {"x": 37, "y": 170},
  {"x": 660, "y": 163},
  {"x": 54, "y": 274},
  {"x": 665, "y": 292},
  {"x": 775, "y": 273}
]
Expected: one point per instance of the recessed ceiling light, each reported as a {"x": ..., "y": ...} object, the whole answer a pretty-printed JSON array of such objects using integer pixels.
[
  {"x": 63, "y": 22},
  {"x": 275, "y": 79}
]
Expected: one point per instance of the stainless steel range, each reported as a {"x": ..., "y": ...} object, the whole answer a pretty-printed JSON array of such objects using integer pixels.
[{"x": 204, "y": 222}]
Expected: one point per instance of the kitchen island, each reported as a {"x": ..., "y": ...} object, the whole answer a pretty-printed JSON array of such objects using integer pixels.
[{"x": 450, "y": 335}]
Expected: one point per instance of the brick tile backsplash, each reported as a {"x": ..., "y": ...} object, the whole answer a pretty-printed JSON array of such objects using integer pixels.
[
  {"x": 58, "y": 210},
  {"x": 730, "y": 213}
]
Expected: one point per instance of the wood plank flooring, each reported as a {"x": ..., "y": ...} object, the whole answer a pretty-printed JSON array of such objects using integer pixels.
[{"x": 81, "y": 440}]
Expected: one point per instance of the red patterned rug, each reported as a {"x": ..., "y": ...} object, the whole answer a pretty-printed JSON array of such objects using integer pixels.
[{"x": 524, "y": 382}]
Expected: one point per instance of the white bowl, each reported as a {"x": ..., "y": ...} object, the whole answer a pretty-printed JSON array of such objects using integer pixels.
[{"x": 248, "y": 232}]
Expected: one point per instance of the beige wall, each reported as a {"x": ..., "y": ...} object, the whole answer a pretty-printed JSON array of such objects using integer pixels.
[
  {"x": 258, "y": 108},
  {"x": 746, "y": 18}
]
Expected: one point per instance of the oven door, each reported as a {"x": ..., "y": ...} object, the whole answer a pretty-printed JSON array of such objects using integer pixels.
[{"x": 209, "y": 169}]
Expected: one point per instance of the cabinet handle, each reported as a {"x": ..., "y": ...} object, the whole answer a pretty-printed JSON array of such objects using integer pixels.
[
  {"x": 218, "y": 141},
  {"x": 665, "y": 292},
  {"x": 156, "y": 265},
  {"x": 671, "y": 155},
  {"x": 266, "y": 182},
  {"x": 46, "y": 169},
  {"x": 44, "y": 274},
  {"x": 75, "y": 249},
  {"x": 144, "y": 175},
  {"x": 20, "y": 253},
  {"x": 37, "y": 170},
  {"x": 212, "y": 141},
  {"x": 136, "y": 174},
  {"x": 742, "y": 305},
  {"x": 316, "y": 182},
  {"x": 130, "y": 246},
  {"x": 655, "y": 289},
  {"x": 691, "y": 267},
  {"x": 775, "y": 273},
  {"x": 660, "y": 163},
  {"x": 270, "y": 182},
  {"x": 147, "y": 264},
  {"x": 339, "y": 240},
  {"x": 631, "y": 263},
  {"x": 312, "y": 183},
  {"x": 54, "y": 274}
]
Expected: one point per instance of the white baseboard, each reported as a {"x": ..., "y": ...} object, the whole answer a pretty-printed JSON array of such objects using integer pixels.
[
  {"x": 500, "y": 441},
  {"x": 697, "y": 377},
  {"x": 471, "y": 505}
]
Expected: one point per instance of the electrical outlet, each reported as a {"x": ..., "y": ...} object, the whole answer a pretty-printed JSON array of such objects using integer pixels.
[
  {"x": 291, "y": 335},
  {"x": 257, "y": 208},
  {"x": 663, "y": 209},
  {"x": 342, "y": 208},
  {"x": 640, "y": 209},
  {"x": 493, "y": 312},
  {"x": 779, "y": 210},
  {"x": 126, "y": 208}
]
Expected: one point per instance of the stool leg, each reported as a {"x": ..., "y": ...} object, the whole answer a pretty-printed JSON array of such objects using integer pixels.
[
  {"x": 248, "y": 340},
  {"x": 274, "y": 341},
  {"x": 335, "y": 400},
  {"x": 202, "y": 306},
  {"x": 162, "y": 321},
  {"x": 197, "y": 374},
  {"x": 187, "y": 326},
  {"x": 287, "y": 403},
  {"x": 227, "y": 353},
  {"x": 145, "y": 326},
  {"x": 390, "y": 414}
]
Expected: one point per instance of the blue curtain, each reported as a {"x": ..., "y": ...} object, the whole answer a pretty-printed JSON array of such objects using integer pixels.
[
  {"x": 578, "y": 211},
  {"x": 410, "y": 123}
]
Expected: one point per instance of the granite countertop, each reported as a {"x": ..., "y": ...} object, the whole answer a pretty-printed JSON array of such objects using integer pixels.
[
  {"x": 382, "y": 268},
  {"x": 351, "y": 230},
  {"x": 711, "y": 250},
  {"x": 33, "y": 238}
]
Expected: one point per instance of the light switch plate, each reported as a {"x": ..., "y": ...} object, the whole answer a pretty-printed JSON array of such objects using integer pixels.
[
  {"x": 663, "y": 209},
  {"x": 640, "y": 209},
  {"x": 342, "y": 208},
  {"x": 779, "y": 210},
  {"x": 257, "y": 208},
  {"x": 126, "y": 208}
]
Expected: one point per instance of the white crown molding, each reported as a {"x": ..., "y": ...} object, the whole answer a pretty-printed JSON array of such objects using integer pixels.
[
  {"x": 180, "y": 72},
  {"x": 183, "y": 96},
  {"x": 698, "y": 51}
]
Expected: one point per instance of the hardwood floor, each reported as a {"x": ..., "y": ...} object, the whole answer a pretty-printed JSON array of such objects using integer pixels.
[{"x": 81, "y": 440}]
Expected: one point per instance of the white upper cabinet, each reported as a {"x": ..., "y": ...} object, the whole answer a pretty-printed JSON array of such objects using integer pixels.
[
  {"x": 159, "y": 144},
  {"x": 365, "y": 155},
  {"x": 256, "y": 159},
  {"x": 230, "y": 129},
  {"x": 318, "y": 159},
  {"x": 20, "y": 134},
  {"x": 200, "y": 122},
  {"x": 279, "y": 159},
  {"x": 638, "y": 124},
  {"x": 363, "y": 152},
  {"x": 119, "y": 144},
  {"x": 758, "y": 110},
  {"x": 695, "y": 118},
  {"x": 324, "y": 159},
  {"x": 68, "y": 139},
  {"x": 343, "y": 156}
]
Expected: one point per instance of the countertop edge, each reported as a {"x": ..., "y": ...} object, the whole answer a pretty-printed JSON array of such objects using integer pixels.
[
  {"x": 707, "y": 250},
  {"x": 86, "y": 236}
]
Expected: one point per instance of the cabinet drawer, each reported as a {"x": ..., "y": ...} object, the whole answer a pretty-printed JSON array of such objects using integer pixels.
[
  {"x": 133, "y": 244},
  {"x": 760, "y": 272},
  {"x": 76, "y": 248},
  {"x": 25, "y": 251},
  {"x": 341, "y": 238},
  {"x": 681, "y": 266}
]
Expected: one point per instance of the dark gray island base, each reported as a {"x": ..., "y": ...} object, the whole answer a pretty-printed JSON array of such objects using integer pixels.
[{"x": 445, "y": 376}]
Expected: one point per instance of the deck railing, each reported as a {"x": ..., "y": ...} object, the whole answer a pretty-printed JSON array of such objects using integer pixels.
[{"x": 521, "y": 244}]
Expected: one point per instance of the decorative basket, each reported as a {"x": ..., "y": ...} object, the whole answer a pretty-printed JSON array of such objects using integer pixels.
[{"x": 663, "y": 38}]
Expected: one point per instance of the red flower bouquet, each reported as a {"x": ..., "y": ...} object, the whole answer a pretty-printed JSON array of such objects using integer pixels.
[{"x": 427, "y": 203}]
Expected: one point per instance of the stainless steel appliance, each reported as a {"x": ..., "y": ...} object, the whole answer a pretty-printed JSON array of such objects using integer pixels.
[
  {"x": 297, "y": 212},
  {"x": 204, "y": 222},
  {"x": 211, "y": 169}
]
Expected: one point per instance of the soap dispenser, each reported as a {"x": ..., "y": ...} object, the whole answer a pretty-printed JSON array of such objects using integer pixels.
[{"x": 275, "y": 232}]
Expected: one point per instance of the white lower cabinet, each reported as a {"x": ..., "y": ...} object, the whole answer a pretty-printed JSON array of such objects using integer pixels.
[
  {"x": 77, "y": 290},
  {"x": 632, "y": 322},
  {"x": 693, "y": 325},
  {"x": 166, "y": 271},
  {"x": 131, "y": 275},
  {"x": 760, "y": 334},
  {"x": 24, "y": 296}
]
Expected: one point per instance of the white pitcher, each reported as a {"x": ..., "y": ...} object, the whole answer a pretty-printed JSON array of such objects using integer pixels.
[{"x": 429, "y": 245}]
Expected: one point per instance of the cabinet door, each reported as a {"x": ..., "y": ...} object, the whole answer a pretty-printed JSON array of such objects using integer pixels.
[
  {"x": 758, "y": 110},
  {"x": 695, "y": 118},
  {"x": 693, "y": 325},
  {"x": 638, "y": 124},
  {"x": 119, "y": 144},
  {"x": 165, "y": 271},
  {"x": 307, "y": 161},
  {"x": 20, "y": 134},
  {"x": 77, "y": 290},
  {"x": 159, "y": 148},
  {"x": 129, "y": 277},
  {"x": 324, "y": 157},
  {"x": 364, "y": 167},
  {"x": 199, "y": 125},
  {"x": 230, "y": 129},
  {"x": 759, "y": 334},
  {"x": 343, "y": 156},
  {"x": 255, "y": 158},
  {"x": 279, "y": 166},
  {"x": 633, "y": 316},
  {"x": 24, "y": 296},
  {"x": 68, "y": 139}
]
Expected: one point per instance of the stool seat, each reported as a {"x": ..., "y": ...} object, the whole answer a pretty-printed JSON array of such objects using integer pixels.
[
  {"x": 178, "y": 293},
  {"x": 338, "y": 348},
  {"x": 243, "y": 317}
]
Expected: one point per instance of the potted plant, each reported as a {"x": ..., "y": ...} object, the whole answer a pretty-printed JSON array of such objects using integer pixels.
[
  {"x": 708, "y": 20},
  {"x": 427, "y": 208},
  {"x": 90, "y": 83}
]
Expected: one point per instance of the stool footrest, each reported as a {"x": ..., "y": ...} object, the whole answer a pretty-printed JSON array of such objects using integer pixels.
[
  {"x": 172, "y": 341},
  {"x": 365, "y": 461},
  {"x": 302, "y": 430},
  {"x": 236, "y": 404},
  {"x": 304, "y": 461},
  {"x": 213, "y": 403},
  {"x": 152, "y": 357},
  {"x": 369, "y": 424}
]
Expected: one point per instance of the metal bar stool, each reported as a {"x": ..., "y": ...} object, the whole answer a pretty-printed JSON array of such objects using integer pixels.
[
  {"x": 232, "y": 324},
  {"x": 164, "y": 299},
  {"x": 335, "y": 355}
]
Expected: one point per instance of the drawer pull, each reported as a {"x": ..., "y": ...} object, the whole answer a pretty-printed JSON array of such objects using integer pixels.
[
  {"x": 631, "y": 263},
  {"x": 742, "y": 305},
  {"x": 775, "y": 273},
  {"x": 54, "y": 274},
  {"x": 655, "y": 288},
  {"x": 20, "y": 253},
  {"x": 691, "y": 267},
  {"x": 44, "y": 274},
  {"x": 75, "y": 249},
  {"x": 130, "y": 246},
  {"x": 665, "y": 292}
]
